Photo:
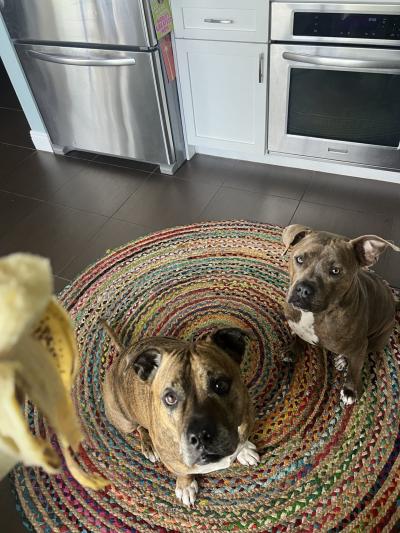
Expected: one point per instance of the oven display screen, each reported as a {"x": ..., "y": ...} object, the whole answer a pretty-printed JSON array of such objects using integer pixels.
[{"x": 350, "y": 25}]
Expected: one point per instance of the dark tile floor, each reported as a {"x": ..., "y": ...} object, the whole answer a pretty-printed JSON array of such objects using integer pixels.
[
  {"x": 14, "y": 128},
  {"x": 72, "y": 209}
]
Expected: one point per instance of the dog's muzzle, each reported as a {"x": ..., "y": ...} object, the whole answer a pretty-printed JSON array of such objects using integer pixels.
[
  {"x": 302, "y": 295},
  {"x": 205, "y": 444}
]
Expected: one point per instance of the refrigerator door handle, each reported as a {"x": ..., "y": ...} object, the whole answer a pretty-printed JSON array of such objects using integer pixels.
[{"x": 81, "y": 61}]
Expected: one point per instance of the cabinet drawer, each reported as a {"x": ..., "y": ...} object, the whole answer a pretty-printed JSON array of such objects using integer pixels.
[{"x": 225, "y": 20}]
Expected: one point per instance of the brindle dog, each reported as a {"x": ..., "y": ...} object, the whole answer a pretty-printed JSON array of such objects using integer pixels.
[
  {"x": 335, "y": 301},
  {"x": 187, "y": 401}
]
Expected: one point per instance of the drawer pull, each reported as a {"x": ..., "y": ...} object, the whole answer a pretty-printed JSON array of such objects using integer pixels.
[
  {"x": 219, "y": 21},
  {"x": 261, "y": 69}
]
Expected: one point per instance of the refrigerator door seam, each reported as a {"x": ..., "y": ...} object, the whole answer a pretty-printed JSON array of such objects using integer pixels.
[{"x": 163, "y": 107}]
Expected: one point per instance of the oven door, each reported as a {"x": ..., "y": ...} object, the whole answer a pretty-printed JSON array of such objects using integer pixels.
[{"x": 335, "y": 103}]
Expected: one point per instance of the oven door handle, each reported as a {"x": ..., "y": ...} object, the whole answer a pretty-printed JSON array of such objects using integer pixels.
[
  {"x": 80, "y": 61},
  {"x": 383, "y": 64}
]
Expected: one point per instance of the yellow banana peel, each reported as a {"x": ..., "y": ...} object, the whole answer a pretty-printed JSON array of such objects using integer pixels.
[{"x": 38, "y": 359}]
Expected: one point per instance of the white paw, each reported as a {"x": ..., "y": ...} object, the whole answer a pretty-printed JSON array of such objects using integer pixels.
[
  {"x": 248, "y": 454},
  {"x": 188, "y": 494},
  {"x": 347, "y": 397},
  {"x": 150, "y": 454},
  {"x": 287, "y": 358},
  {"x": 340, "y": 362}
]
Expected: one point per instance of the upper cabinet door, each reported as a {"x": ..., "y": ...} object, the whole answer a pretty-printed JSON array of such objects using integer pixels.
[{"x": 224, "y": 91}]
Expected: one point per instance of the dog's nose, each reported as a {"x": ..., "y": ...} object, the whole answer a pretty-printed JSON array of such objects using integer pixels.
[
  {"x": 200, "y": 433},
  {"x": 202, "y": 438},
  {"x": 304, "y": 290}
]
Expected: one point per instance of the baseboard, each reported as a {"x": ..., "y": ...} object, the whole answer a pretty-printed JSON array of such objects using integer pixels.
[
  {"x": 41, "y": 141},
  {"x": 317, "y": 165}
]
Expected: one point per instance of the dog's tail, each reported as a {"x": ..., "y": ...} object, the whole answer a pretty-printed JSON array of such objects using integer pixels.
[{"x": 111, "y": 334}]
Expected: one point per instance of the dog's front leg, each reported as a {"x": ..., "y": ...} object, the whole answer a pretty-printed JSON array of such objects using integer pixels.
[
  {"x": 352, "y": 388},
  {"x": 294, "y": 349},
  {"x": 147, "y": 445},
  {"x": 186, "y": 490}
]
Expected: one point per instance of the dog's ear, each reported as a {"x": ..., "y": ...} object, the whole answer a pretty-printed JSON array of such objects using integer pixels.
[
  {"x": 368, "y": 248},
  {"x": 117, "y": 343},
  {"x": 233, "y": 341},
  {"x": 145, "y": 363},
  {"x": 293, "y": 234}
]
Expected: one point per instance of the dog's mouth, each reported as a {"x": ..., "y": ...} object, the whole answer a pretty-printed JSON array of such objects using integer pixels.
[
  {"x": 313, "y": 306},
  {"x": 301, "y": 304},
  {"x": 207, "y": 458}
]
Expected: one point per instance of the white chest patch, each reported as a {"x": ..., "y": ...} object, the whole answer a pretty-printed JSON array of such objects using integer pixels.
[{"x": 304, "y": 328}]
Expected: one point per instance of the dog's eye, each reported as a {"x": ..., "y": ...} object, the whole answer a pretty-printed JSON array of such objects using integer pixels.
[
  {"x": 221, "y": 386},
  {"x": 299, "y": 259},
  {"x": 170, "y": 399},
  {"x": 335, "y": 271}
]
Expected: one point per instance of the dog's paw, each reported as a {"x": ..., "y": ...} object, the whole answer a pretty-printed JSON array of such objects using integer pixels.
[
  {"x": 248, "y": 454},
  {"x": 288, "y": 358},
  {"x": 149, "y": 452},
  {"x": 340, "y": 362},
  {"x": 187, "y": 494},
  {"x": 348, "y": 396}
]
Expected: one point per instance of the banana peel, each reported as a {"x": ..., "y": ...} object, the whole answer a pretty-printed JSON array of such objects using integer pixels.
[{"x": 38, "y": 359}]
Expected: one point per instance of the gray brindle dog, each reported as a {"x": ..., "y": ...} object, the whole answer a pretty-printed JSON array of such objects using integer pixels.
[{"x": 335, "y": 301}]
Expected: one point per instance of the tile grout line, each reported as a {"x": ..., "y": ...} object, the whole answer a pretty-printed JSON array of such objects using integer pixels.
[
  {"x": 55, "y": 204},
  {"x": 12, "y": 109},
  {"x": 19, "y": 146},
  {"x": 130, "y": 196},
  {"x": 49, "y": 201},
  {"x": 295, "y": 211},
  {"x": 99, "y": 229},
  {"x": 4, "y": 143},
  {"x": 301, "y": 197},
  {"x": 19, "y": 164},
  {"x": 260, "y": 193},
  {"x": 81, "y": 248},
  {"x": 211, "y": 199}
]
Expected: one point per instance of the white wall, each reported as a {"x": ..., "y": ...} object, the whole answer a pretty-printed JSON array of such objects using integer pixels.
[{"x": 17, "y": 77}]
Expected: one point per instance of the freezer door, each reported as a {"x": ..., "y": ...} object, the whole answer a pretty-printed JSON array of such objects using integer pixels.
[
  {"x": 103, "y": 22},
  {"x": 103, "y": 101}
]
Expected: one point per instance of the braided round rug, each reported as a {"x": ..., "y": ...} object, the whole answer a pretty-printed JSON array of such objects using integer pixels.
[{"x": 324, "y": 467}]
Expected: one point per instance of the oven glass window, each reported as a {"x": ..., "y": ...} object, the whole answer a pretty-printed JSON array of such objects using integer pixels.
[{"x": 355, "y": 107}]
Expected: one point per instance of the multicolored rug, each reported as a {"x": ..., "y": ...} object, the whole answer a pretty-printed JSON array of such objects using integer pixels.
[{"x": 325, "y": 467}]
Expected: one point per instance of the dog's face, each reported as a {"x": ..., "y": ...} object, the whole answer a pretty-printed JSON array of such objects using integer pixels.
[
  {"x": 323, "y": 266},
  {"x": 197, "y": 394}
]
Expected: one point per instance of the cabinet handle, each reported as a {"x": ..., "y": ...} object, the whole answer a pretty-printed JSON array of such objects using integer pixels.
[
  {"x": 219, "y": 21},
  {"x": 261, "y": 69}
]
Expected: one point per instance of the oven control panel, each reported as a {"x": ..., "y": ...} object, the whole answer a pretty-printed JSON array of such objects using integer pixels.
[{"x": 347, "y": 25}]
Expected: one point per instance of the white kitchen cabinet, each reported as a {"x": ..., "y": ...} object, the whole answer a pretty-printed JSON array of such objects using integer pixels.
[
  {"x": 224, "y": 20},
  {"x": 224, "y": 93}
]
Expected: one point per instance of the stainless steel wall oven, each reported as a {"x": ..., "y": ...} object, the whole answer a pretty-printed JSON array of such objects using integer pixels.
[{"x": 335, "y": 82}]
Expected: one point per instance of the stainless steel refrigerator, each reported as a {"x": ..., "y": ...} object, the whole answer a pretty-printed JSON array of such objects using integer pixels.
[{"x": 96, "y": 72}]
